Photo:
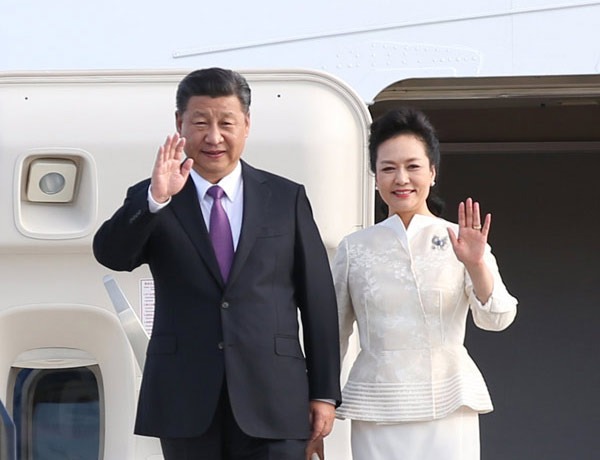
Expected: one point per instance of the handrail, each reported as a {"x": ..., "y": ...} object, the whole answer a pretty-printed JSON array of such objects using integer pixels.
[{"x": 136, "y": 334}]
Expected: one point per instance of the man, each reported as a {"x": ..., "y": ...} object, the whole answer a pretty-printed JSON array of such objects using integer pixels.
[{"x": 225, "y": 376}]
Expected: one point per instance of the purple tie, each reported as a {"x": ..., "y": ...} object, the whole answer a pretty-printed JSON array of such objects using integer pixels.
[{"x": 220, "y": 232}]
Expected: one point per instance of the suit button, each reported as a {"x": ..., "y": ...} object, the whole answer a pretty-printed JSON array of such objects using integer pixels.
[
  {"x": 220, "y": 346},
  {"x": 225, "y": 305}
]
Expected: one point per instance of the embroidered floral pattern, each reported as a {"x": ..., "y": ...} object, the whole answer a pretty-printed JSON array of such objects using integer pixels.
[{"x": 410, "y": 298}]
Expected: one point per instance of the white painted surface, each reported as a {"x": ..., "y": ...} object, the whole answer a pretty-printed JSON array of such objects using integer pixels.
[{"x": 367, "y": 44}]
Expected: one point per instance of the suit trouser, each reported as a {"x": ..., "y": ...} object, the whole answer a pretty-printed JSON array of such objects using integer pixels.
[{"x": 224, "y": 440}]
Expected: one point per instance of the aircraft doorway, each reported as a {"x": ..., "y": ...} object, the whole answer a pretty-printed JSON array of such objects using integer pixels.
[{"x": 529, "y": 150}]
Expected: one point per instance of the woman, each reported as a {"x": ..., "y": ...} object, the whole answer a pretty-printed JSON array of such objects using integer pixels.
[{"x": 409, "y": 282}]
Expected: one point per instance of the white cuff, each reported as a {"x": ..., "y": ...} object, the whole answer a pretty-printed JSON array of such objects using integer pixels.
[{"x": 153, "y": 206}]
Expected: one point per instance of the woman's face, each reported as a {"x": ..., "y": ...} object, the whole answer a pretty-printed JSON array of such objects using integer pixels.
[{"x": 404, "y": 175}]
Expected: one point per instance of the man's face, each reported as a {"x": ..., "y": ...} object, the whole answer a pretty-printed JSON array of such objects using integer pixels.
[{"x": 215, "y": 131}]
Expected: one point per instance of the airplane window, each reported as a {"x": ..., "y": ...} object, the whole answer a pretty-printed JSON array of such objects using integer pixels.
[{"x": 57, "y": 413}]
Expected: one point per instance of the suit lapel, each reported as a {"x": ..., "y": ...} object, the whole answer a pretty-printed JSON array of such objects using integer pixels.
[
  {"x": 186, "y": 208},
  {"x": 256, "y": 201}
]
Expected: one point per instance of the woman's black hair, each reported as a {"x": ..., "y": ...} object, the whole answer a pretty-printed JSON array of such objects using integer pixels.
[{"x": 408, "y": 120}]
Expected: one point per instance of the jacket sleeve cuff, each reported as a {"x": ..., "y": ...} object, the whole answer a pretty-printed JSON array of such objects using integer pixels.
[{"x": 153, "y": 206}]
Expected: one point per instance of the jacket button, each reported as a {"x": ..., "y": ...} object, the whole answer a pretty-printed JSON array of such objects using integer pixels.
[
  {"x": 225, "y": 305},
  {"x": 220, "y": 346}
]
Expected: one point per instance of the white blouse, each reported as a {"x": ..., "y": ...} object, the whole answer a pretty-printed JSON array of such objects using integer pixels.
[{"x": 410, "y": 296}]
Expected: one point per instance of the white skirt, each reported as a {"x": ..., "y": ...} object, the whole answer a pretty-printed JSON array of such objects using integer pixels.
[{"x": 455, "y": 437}]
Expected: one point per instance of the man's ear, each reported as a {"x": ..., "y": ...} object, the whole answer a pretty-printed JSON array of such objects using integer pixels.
[
  {"x": 247, "y": 121},
  {"x": 178, "y": 121}
]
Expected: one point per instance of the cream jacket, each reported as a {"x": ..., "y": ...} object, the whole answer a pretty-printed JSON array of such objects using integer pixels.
[{"x": 410, "y": 297}]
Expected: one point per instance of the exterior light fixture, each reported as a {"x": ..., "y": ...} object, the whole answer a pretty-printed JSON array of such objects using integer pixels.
[{"x": 51, "y": 180}]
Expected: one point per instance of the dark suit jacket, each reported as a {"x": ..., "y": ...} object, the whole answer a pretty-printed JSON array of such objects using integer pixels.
[{"x": 245, "y": 332}]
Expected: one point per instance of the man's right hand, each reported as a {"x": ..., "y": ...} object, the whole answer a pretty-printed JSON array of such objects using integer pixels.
[{"x": 170, "y": 174}]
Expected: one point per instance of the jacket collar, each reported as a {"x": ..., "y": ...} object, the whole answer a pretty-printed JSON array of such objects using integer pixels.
[{"x": 257, "y": 199}]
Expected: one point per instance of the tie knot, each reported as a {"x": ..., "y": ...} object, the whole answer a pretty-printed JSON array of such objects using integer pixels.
[{"x": 216, "y": 192}]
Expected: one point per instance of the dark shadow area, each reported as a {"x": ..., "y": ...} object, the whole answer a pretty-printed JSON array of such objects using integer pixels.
[{"x": 544, "y": 371}]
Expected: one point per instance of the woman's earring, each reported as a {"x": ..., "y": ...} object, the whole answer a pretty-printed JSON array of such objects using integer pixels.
[{"x": 432, "y": 183}]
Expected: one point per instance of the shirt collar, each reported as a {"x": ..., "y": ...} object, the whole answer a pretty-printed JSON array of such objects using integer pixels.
[
  {"x": 230, "y": 184},
  {"x": 417, "y": 223}
]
